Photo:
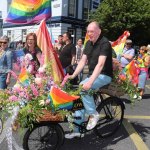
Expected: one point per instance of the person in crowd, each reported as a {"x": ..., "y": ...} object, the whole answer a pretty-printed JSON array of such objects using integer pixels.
[
  {"x": 32, "y": 49},
  {"x": 143, "y": 62},
  {"x": 59, "y": 45},
  {"x": 98, "y": 53},
  {"x": 19, "y": 45},
  {"x": 68, "y": 52},
  {"x": 79, "y": 52},
  {"x": 5, "y": 62},
  {"x": 148, "y": 52},
  {"x": 128, "y": 54}
]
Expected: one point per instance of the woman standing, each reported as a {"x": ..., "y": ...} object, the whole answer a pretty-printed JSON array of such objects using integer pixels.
[
  {"x": 143, "y": 62},
  {"x": 5, "y": 62},
  {"x": 35, "y": 52}
]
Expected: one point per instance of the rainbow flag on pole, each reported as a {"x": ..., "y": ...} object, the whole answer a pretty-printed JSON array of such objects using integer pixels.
[
  {"x": 44, "y": 42},
  {"x": 61, "y": 99},
  {"x": 118, "y": 45},
  {"x": 86, "y": 39},
  {"x": 28, "y": 11},
  {"x": 131, "y": 71}
]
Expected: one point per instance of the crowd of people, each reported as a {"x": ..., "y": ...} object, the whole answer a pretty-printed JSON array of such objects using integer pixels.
[{"x": 97, "y": 54}]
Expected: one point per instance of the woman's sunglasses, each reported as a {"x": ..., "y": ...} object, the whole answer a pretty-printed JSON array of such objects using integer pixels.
[{"x": 3, "y": 42}]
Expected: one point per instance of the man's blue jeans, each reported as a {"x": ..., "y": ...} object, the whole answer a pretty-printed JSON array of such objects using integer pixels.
[{"x": 88, "y": 101}]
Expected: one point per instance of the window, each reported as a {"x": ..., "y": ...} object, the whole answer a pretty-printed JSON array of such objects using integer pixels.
[
  {"x": 24, "y": 34},
  {"x": 9, "y": 34},
  {"x": 72, "y": 8},
  {"x": 86, "y": 7}
]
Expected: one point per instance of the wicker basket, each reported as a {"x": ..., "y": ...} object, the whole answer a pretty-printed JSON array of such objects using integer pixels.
[
  {"x": 112, "y": 90},
  {"x": 49, "y": 116}
]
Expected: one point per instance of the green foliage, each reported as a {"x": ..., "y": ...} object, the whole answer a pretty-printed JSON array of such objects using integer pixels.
[{"x": 116, "y": 16}]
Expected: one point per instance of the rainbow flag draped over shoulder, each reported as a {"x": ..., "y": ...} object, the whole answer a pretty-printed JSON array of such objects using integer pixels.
[
  {"x": 44, "y": 42},
  {"x": 61, "y": 99},
  {"x": 118, "y": 45},
  {"x": 131, "y": 71},
  {"x": 28, "y": 11}
]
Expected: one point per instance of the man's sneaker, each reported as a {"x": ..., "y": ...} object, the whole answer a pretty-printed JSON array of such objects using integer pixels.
[
  {"x": 92, "y": 121},
  {"x": 135, "y": 96},
  {"x": 139, "y": 98},
  {"x": 73, "y": 135}
]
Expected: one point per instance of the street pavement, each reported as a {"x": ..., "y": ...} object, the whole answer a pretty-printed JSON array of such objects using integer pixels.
[{"x": 134, "y": 134}]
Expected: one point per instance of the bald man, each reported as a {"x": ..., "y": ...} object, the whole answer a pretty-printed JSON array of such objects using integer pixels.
[{"x": 98, "y": 54}]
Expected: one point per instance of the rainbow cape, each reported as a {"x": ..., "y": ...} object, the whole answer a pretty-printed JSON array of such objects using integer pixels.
[
  {"x": 131, "y": 71},
  {"x": 29, "y": 11},
  {"x": 60, "y": 99},
  {"x": 44, "y": 42},
  {"x": 118, "y": 45},
  {"x": 86, "y": 39}
]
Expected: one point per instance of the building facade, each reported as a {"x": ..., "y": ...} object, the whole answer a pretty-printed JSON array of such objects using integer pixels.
[{"x": 67, "y": 15}]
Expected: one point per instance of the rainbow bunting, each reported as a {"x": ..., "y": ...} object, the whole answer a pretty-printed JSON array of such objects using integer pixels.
[
  {"x": 86, "y": 39},
  {"x": 29, "y": 11},
  {"x": 44, "y": 42},
  {"x": 131, "y": 72},
  {"x": 61, "y": 99},
  {"x": 118, "y": 45}
]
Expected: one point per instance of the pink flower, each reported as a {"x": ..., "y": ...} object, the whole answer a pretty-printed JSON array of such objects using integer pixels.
[
  {"x": 13, "y": 98},
  {"x": 34, "y": 90},
  {"x": 65, "y": 80},
  {"x": 47, "y": 102},
  {"x": 38, "y": 81}
]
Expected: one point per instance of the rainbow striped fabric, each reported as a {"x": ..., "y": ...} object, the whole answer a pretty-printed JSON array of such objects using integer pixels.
[
  {"x": 118, "y": 45},
  {"x": 86, "y": 39},
  {"x": 28, "y": 11},
  {"x": 131, "y": 71},
  {"x": 44, "y": 42},
  {"x": 23, "y": 78},
  {"x": 60, "y": 99}
]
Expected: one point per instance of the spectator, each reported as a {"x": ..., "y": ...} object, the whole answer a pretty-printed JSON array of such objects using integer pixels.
[
  {"x": 79, "y": 52},
  {"x": 148, "y": 52},
  {"x": 19, "y": 45},
  {"x": 143, "y": 63},
  {"x": 68, "y": 52},
  {"x": 32, "y": 48},
  {"x": 59, "y": 45},
  {"x": 5, "y": 62},
  {"x": 128, "y": 54}
]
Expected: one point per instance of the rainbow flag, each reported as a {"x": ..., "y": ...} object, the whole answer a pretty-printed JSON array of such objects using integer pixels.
[
  {"x": 118, "y": 45},
  {"x": 60, "y": 99},
  {"x": 131, "y": 71},
  {"x": 44, "y": 42},
  {"x": 23, "y": 78},
  {"x": 86, "y": 39},
  {"x": 29, "y": 11}
]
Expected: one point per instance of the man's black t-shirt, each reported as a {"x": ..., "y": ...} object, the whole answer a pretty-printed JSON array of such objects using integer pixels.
[
  {"x": 102, "y": 47},
  {"x": 66, "y": 54}
]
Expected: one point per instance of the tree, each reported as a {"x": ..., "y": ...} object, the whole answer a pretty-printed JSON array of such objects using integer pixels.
[{"x": 116, "y": 16}]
